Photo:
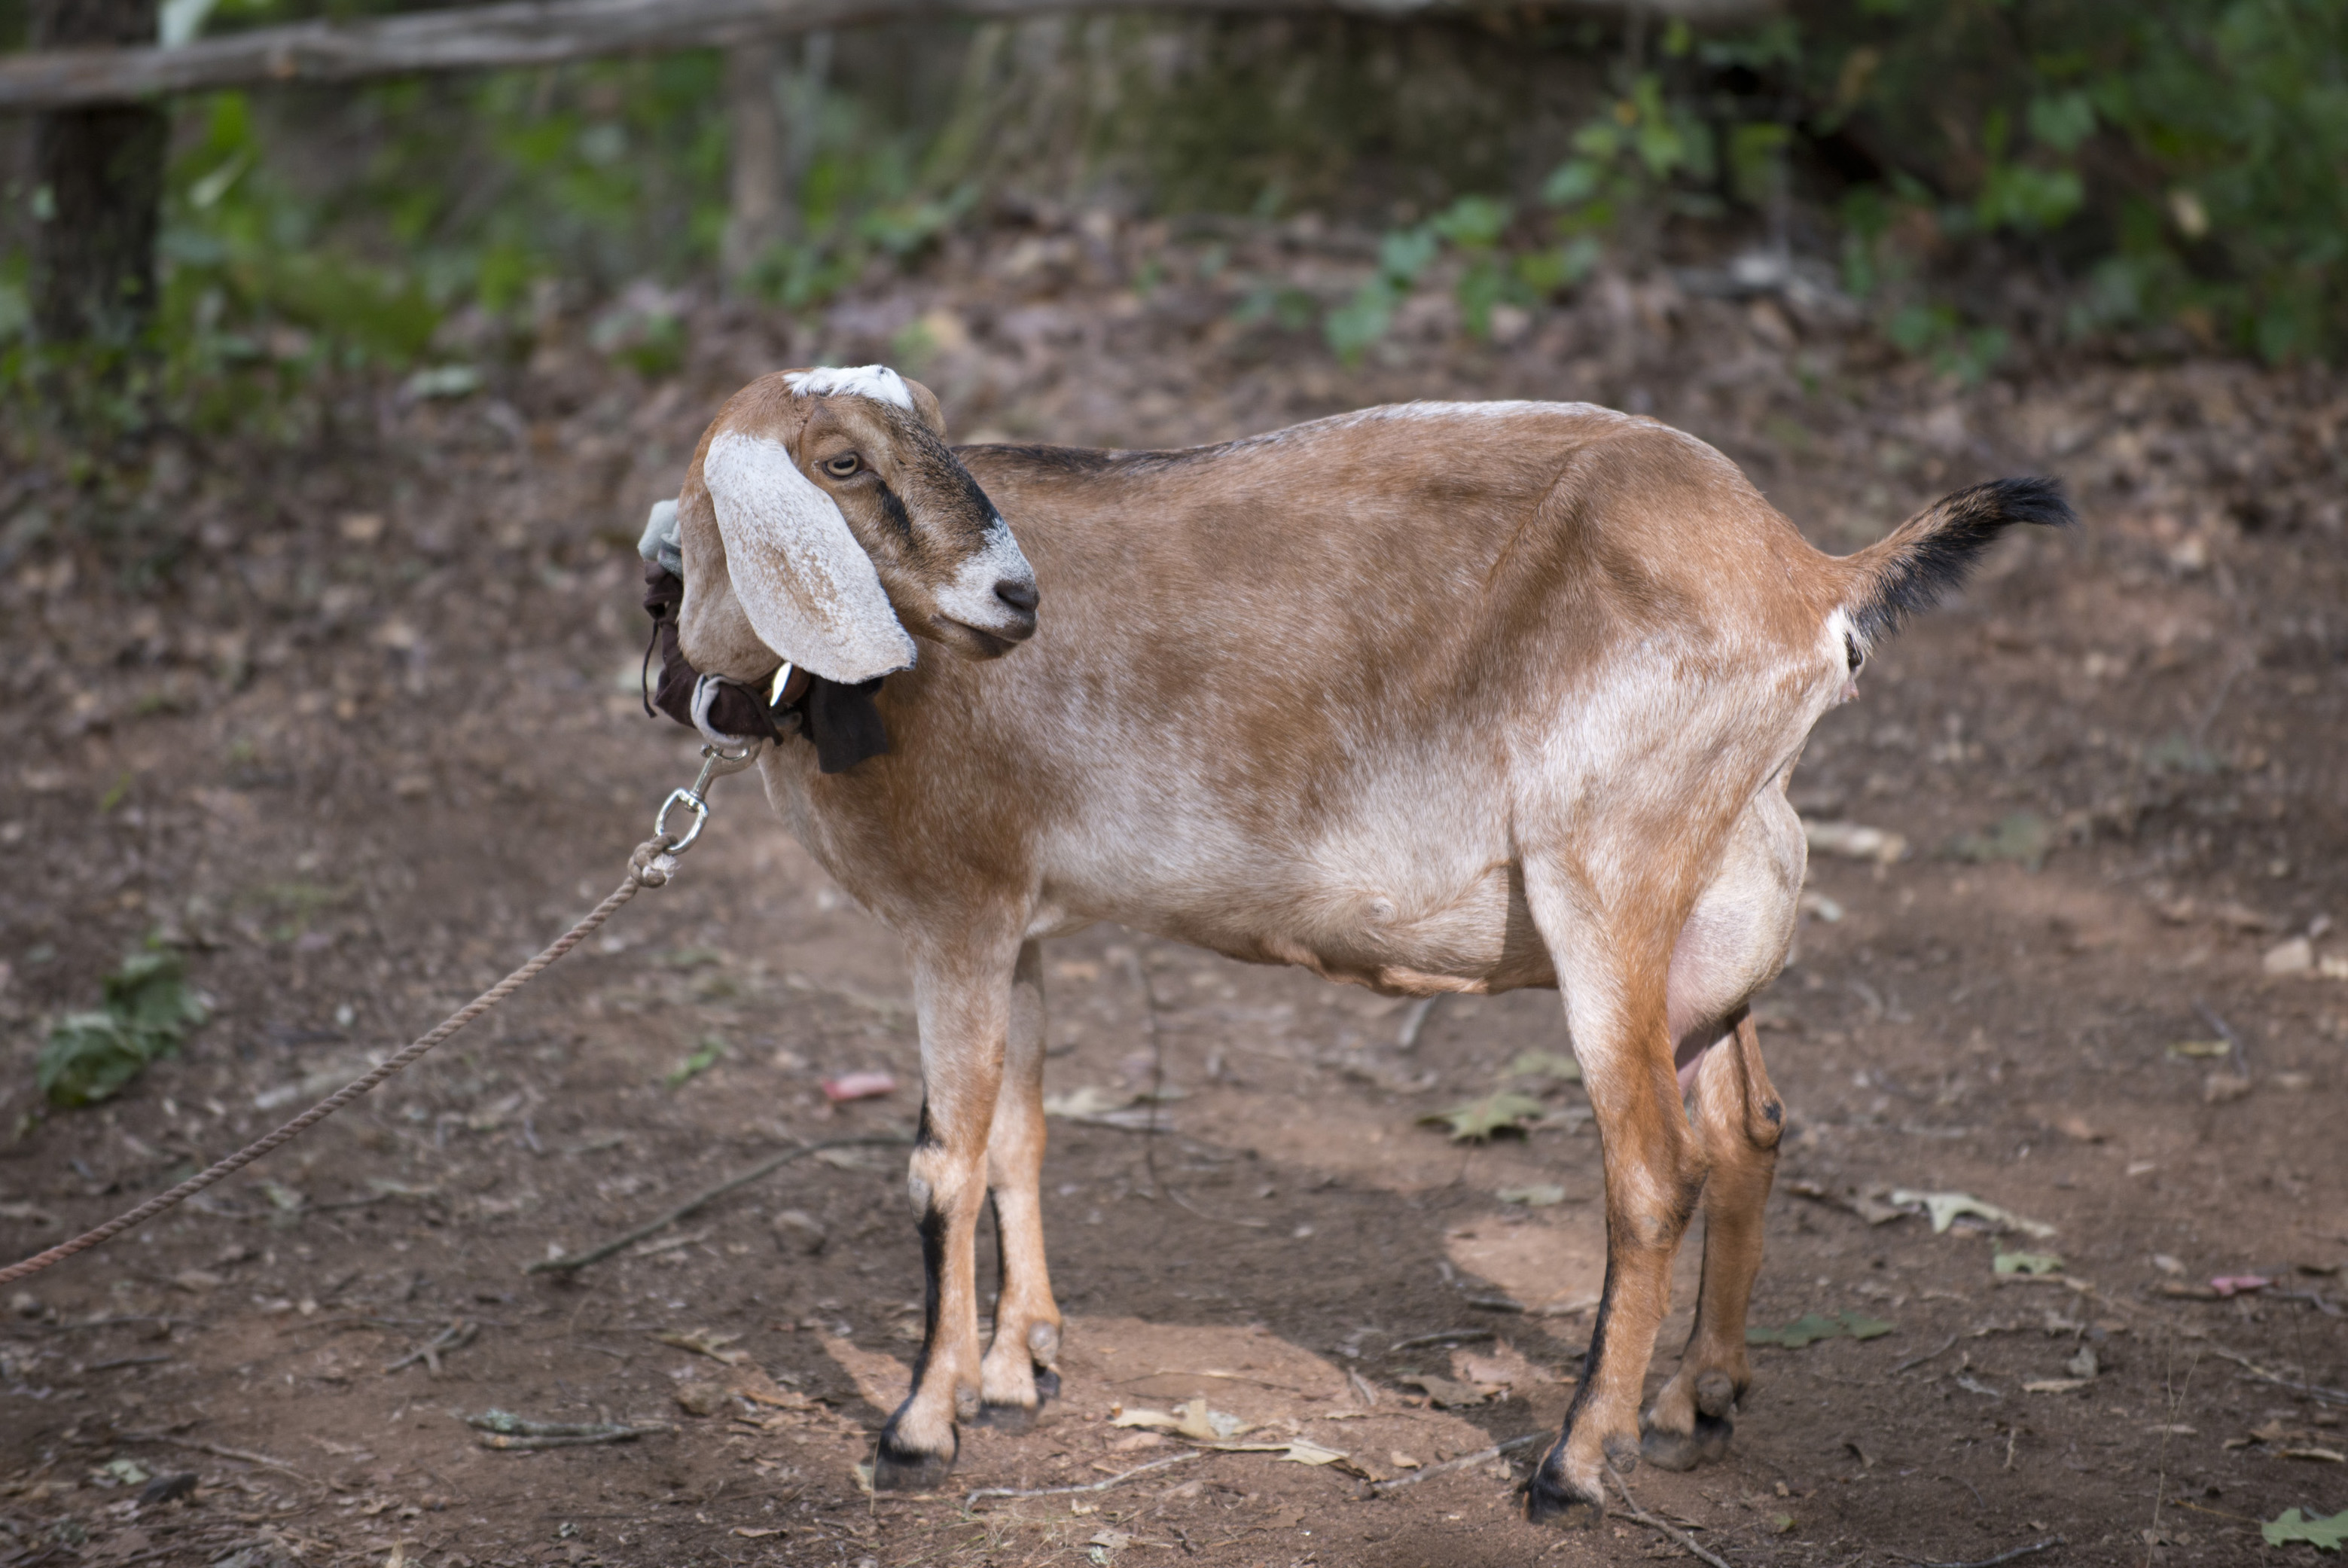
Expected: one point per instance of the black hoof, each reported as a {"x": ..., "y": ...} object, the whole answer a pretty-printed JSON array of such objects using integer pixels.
[
  {"x": 1708, "y": 1444},
  {"x": 909, "y": 1472},
  {"x": 1012, "y": 1419},
  {"x": 1548, "y": 1502},
  {"x": 1550, "y": 1498},
  {"x": 896, "y": 1468}
]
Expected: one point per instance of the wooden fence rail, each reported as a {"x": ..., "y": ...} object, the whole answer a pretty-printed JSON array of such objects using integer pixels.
[{"x": 544, "y": 31}]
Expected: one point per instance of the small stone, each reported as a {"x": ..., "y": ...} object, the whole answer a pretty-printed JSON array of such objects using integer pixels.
[
  {"x": 701, "y": 1398},
  {"x": 2224, "y": 1088},
  {"x": 2296, "y": 957},
  {"x": 797, "y": 1231}
]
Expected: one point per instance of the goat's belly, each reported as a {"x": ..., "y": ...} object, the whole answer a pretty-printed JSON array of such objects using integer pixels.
[{"x": 1473, "y": 934}]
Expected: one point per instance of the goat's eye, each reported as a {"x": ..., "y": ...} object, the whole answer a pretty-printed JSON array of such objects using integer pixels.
[
  {"x": 1851, "y": 652},
  {"x": 842, "y": 466}
]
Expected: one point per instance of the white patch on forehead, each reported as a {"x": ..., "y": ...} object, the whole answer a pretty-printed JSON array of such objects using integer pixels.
[
  {"x": 877, "y": 382},
  {"x": 807, "y": 587}
]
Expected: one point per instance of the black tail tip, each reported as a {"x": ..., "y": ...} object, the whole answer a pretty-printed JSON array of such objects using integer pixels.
[
  {"x": 1933, "y": 552},
  {"x": 2033, "y": 499}
]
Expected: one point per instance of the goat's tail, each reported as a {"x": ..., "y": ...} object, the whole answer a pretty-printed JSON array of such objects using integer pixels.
[{"x": 1929, "y": 556}]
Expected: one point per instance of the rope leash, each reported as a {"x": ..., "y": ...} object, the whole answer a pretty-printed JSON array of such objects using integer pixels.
[{"x": 652, "y": 865}]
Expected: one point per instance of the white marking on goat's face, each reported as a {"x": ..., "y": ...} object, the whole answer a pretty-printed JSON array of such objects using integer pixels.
[
  {"x": 877, "y": 382},
  {"x": 801, "y": 574},
  {"x": 995, "y": 591}
]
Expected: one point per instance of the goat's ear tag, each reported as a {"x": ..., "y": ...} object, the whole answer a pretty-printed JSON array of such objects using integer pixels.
[{"x": 807, "y": 587}]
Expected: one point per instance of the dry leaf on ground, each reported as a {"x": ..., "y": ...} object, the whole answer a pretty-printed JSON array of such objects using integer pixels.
[
  {"x": 704, "y": 1341},
  {"x": 1946, "y": 1208}
]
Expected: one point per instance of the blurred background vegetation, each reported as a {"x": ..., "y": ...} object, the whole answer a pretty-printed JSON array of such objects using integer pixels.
[{"x": 1984, "y": 178}]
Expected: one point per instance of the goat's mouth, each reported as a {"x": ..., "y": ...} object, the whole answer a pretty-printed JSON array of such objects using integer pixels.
[{"x": 987, "y": 642}]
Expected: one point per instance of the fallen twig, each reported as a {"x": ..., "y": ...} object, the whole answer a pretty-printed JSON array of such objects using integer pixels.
[
  {"x": 2313, "y": 1390},
  {"x": 1652, "y": 1523},
  {"x": 218, "y": 1451},
  {"x": 2048, "y": 1545},
  {"x": 994, "y": 1491},
  {"x": 1946, "y": 1346},
  {"x": 764, "y": 1168},
  {"x": 2239, "y": 1058},
  {"x": 504, "y": 1429},
  {"x": 1383, "y": 1487},
  {"x": 1447, "y": 1336},
  {"x": 456, "y": 1337},
  {"x": 164, "y": 1324},
  {"x": 1156, "y": 1097}
]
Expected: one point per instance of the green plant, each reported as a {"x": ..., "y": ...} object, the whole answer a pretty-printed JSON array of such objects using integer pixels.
[
  {"x": 147, "y": 1009},
  {"x": 2180, "y": 159}
]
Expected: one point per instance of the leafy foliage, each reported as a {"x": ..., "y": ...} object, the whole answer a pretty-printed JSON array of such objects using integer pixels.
[
  {"x": 1812, "y": 1326},
  {"x": 1555, "y": 1065},
  {"x": 2026, "y": 1263},
  {"x": 1474, "y": 1120},
  {"x": 147, "y": 1010},
  {"x": 2161, "y": 174},
  {"x": 2290, "y": 1525}
]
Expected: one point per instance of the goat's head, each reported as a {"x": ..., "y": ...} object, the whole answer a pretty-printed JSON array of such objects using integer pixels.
[{"x": 824, "y": 520}]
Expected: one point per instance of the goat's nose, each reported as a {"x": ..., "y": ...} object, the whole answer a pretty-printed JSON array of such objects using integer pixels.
[{"x": 1020, "y": 596}]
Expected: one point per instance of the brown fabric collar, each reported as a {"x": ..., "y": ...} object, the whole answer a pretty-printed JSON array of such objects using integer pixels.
[{"x": 841, "y": 721}]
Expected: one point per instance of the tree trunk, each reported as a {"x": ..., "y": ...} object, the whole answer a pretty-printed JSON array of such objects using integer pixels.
[
  {"x": 99, "y": 183},
  {"x": 759, "y": 214}
]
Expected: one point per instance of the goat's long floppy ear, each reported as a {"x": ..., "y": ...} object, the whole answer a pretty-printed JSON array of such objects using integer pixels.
[{"x": 807, "y": 587}]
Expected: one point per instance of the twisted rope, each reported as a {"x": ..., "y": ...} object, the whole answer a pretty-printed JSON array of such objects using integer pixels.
[{"x": 650, "y": 866}]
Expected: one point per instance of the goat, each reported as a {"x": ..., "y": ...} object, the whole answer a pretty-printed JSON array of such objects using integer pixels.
[{"x": 1442, "y": 696}]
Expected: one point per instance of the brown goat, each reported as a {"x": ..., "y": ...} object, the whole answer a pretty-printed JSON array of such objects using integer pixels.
[{"x": 1434, "y": 698}]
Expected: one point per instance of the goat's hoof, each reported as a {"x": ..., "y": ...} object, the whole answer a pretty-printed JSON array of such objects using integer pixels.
[
  {"x": 896, "y": 1468},
  {"x": 1012, "y": 1419},
  {"x": 1549, "y": 1502},
  {"x": 1621, "y": 1451},
  {"x": 1047, "y": 1386},
  {"x": 1551, "y": 1499},
  {"x": 901, "y": 1471},
  {"x": 1708, "y": 1444}
]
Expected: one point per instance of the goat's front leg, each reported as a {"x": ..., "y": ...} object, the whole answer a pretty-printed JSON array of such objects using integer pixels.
[
  {"x": 1017, "y": 1377},
  {"x": 1738, "y": 1118},
  {"x": 965, "y": 1004},
  {"x": 1614, "y": 993}
]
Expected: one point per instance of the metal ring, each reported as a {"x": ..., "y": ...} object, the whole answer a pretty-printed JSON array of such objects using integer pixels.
[{"x": 700, "y": 809}]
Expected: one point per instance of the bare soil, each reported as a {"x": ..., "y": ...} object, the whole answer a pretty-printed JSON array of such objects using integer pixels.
[{"x": 353, "y": 719}]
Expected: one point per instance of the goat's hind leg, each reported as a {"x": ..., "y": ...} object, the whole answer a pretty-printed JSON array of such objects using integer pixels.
[
  {"x": 1017, "y": 1377},
  {"x": 1613, "y": 977},
  {"x": 1738, "y": 1118},
  {"x": 1731, "y": 945}
]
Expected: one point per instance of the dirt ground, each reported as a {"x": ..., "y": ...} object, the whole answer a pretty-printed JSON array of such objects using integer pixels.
[{"x": 373, "y": 738}]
